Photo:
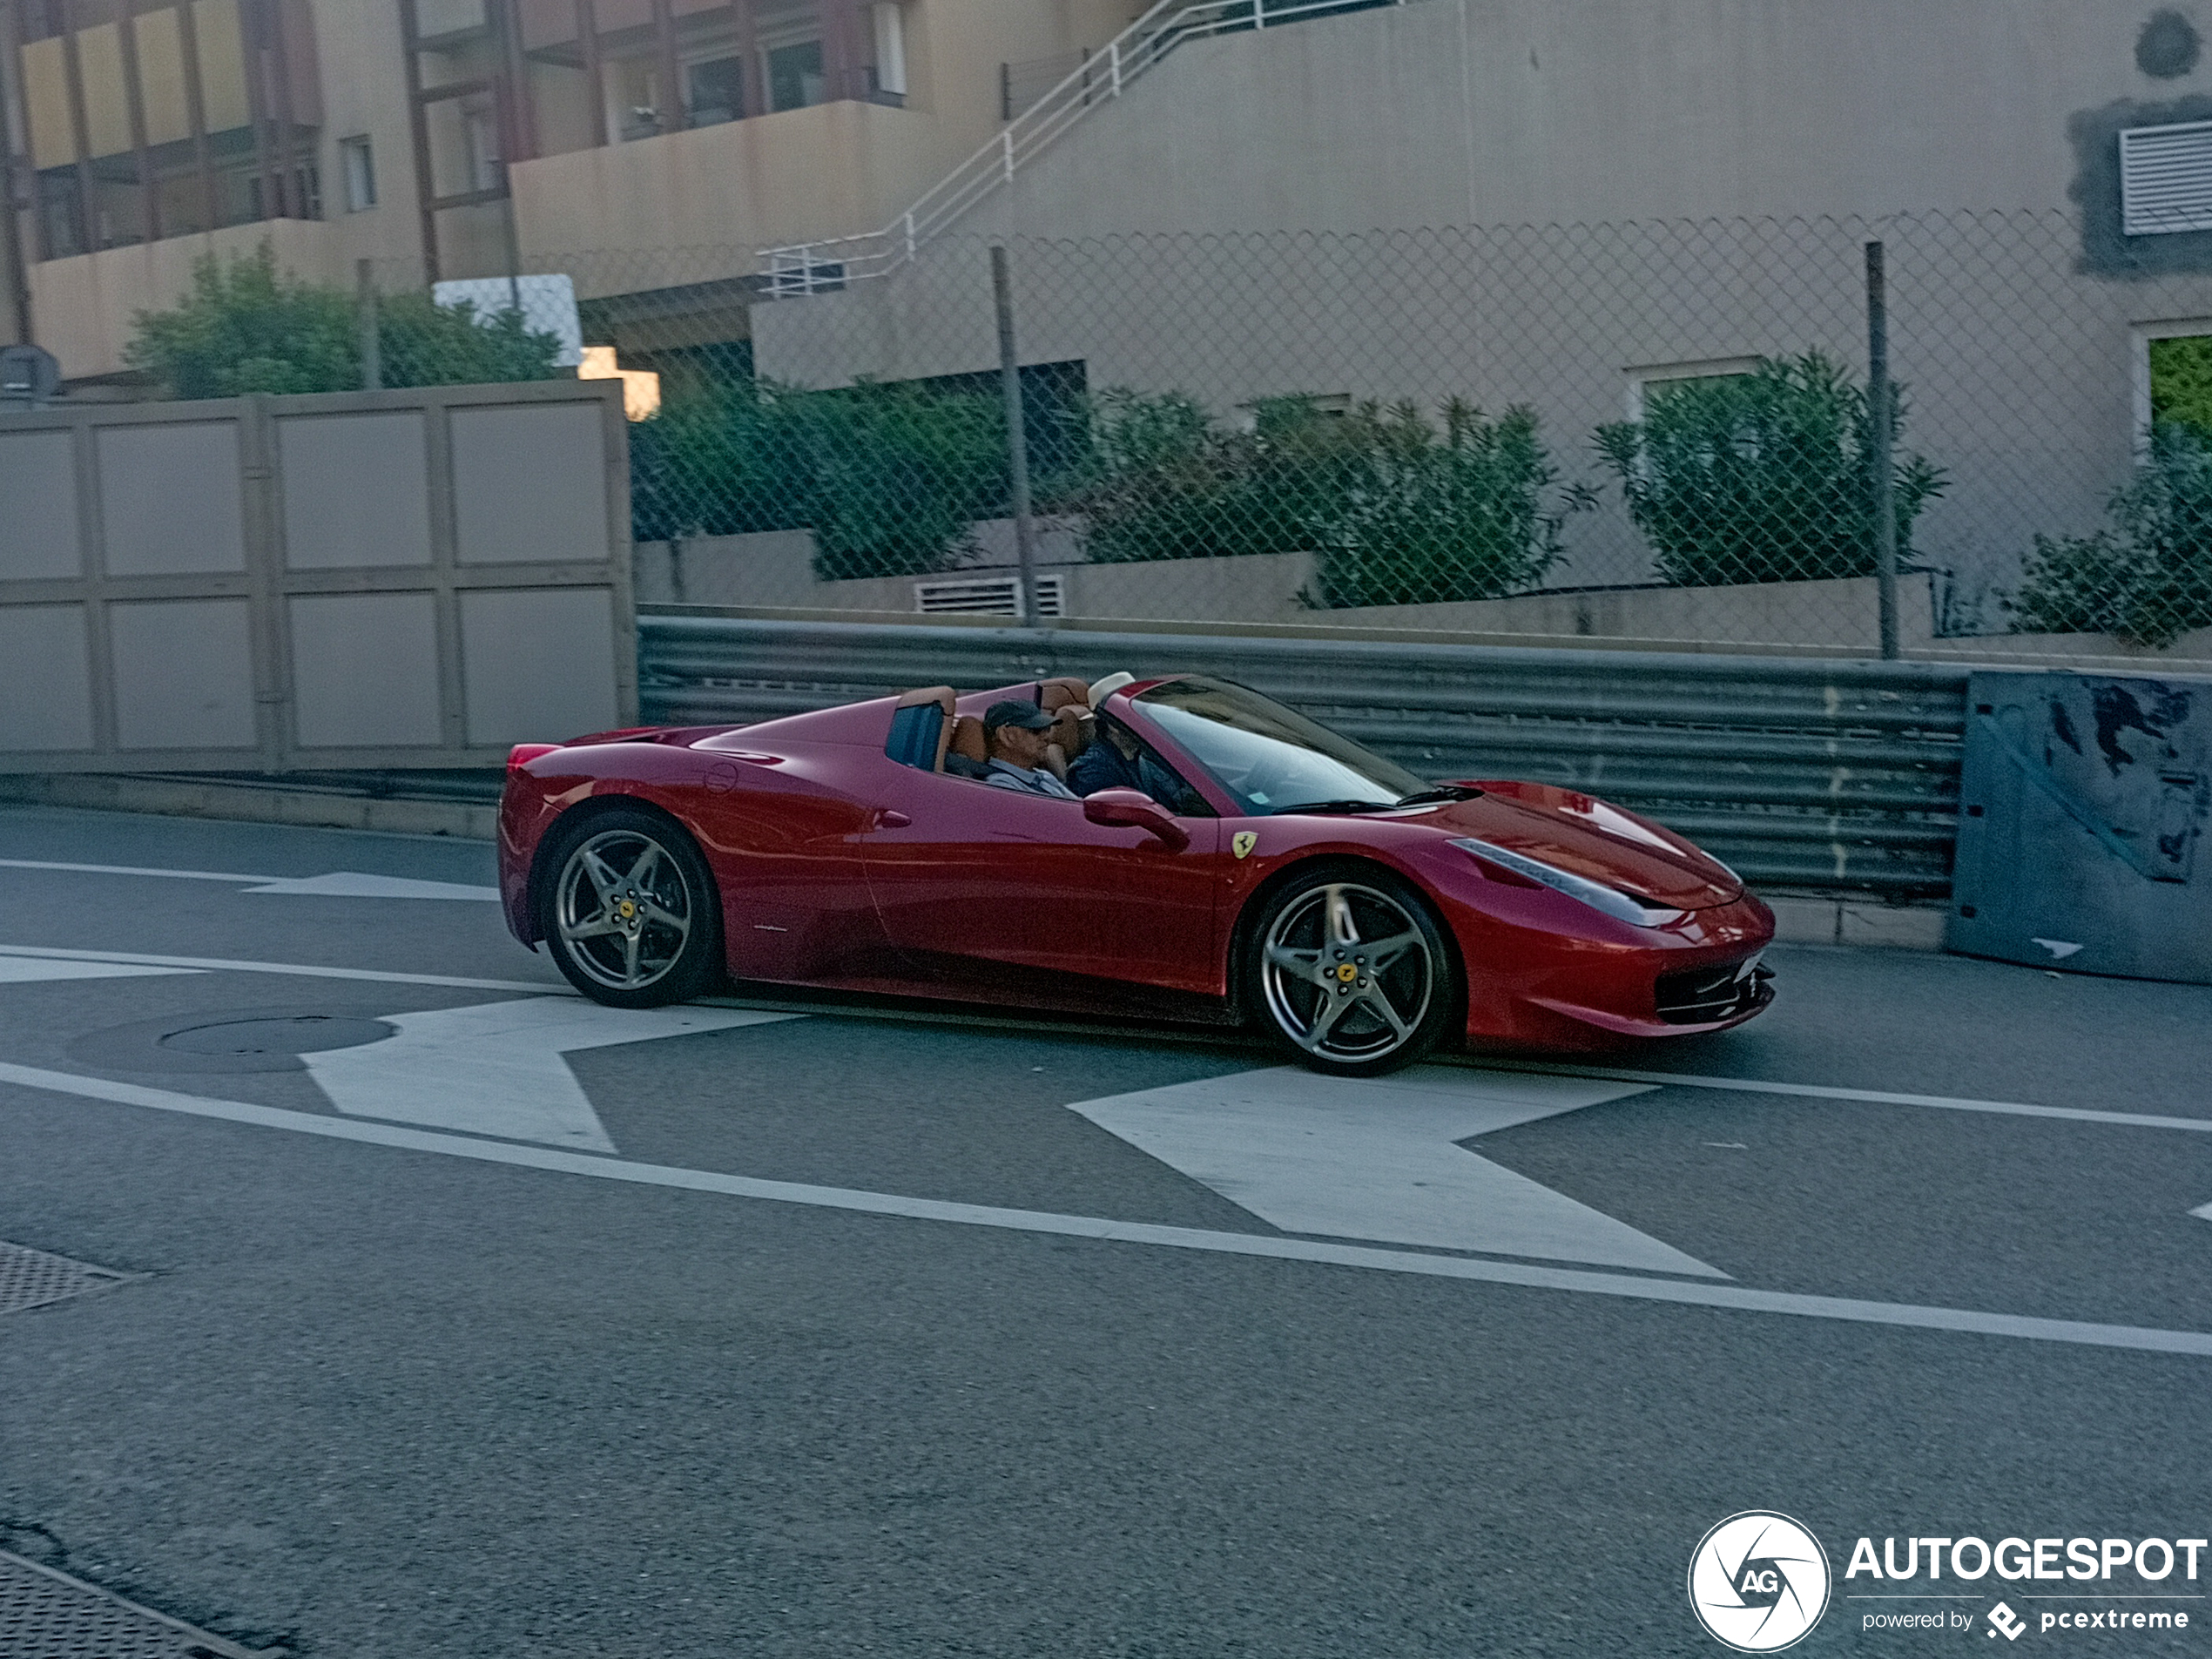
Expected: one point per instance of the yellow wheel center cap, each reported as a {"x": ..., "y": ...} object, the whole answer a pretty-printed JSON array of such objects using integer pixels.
[
  {"x": 628, "y": 910},
  {"x": 1347, "y": 972}
]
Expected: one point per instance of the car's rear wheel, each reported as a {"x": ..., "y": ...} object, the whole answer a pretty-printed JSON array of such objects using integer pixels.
[
  {"x": 1352, "y": 972},
  {"x": 630, "y": 912}
]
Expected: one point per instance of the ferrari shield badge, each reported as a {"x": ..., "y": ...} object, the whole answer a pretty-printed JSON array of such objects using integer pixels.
[{"x": 1243, "y": 842}]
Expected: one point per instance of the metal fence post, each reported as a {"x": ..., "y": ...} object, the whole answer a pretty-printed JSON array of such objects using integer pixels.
[
  {"x": 1880, "y": 439},
  {"x": 1017, "y": 437},
  {"x": 371, "y": 329}
]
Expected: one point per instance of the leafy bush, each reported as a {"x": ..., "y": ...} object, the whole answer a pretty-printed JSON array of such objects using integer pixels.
[
  {"x": 1162, "y": 480},
  {"x": 1764, "y": 477},
  {"x": 2147, "y": 577},
  {"x": 246, "y": 327},
  {"x": 889, "y": 477},
  {"x": 1397, "y": 511},
  {"x": 1467, "y": 513}
]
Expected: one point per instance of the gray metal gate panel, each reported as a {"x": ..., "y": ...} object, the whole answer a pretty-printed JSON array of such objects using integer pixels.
[
  {"x": 406, "y": 578},
  {"x": 2086, "y": 797},
  {"x": 1823, "y": 774}
]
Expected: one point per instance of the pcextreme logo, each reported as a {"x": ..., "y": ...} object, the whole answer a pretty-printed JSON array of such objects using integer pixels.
[{"x": 1758, "y": 1581}]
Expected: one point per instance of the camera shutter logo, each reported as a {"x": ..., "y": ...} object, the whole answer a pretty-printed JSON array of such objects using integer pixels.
[{"x": 1758, "y": 1581}]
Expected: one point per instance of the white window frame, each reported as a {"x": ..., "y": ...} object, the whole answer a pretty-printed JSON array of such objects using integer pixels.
[
  {"x": 890, "y": 21},
  {"x": 1710, "y": 368},
  {"x": 2140, "y": 335},
  {"x": 361, "y": 180}
]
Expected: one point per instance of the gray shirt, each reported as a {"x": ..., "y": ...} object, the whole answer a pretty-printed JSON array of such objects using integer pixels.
[{"x": 1004, "y": 774}]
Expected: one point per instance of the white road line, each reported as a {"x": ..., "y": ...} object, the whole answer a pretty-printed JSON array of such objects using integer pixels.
[
  {"x": 222, "y": 965},
  {"x": 132, "y": 869},
  {"x": 1725, "y": 1297},
  {"x": 1870, "y": 1096}
]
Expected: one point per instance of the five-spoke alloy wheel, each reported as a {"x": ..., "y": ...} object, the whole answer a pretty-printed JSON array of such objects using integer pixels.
[
  {"x": 630, "y": 910},
  {"x": 1352, "y": 972}
]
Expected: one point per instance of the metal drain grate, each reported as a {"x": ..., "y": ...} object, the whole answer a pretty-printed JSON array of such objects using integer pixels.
[
  {"x": 31, "y": 1279},
  {"x": 46, "y": 1614}
]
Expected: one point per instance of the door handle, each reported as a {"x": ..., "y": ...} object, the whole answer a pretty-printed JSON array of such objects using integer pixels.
[{"x": 889, "y": 819}]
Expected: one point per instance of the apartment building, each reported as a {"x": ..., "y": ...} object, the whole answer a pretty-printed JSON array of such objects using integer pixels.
[{"x": 448, "y": 139}]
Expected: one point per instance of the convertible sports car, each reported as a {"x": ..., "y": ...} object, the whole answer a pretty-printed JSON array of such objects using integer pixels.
[{"x": 1244, "y": 864}]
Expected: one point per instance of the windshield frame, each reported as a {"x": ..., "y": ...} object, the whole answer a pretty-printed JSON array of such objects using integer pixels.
[{"x": 1385, "y": 779}]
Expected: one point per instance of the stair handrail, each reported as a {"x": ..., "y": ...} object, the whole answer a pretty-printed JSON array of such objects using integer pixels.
[{"x": 829, "y": 264}]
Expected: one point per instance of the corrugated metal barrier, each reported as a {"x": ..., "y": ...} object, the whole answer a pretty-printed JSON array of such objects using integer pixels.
[{"x": 1827, "y": 775}]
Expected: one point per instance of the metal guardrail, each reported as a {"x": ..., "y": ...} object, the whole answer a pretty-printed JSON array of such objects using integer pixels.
[
  {"x": 1834, "y": 776},
  {"x": 826, "y": 266}
]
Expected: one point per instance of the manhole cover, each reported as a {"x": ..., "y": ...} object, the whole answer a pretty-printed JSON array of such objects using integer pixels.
[
  {"x": 293, "y": 1035},
  {"x": 30, "y": 1278},
  {"x": 234, "y": 1040},
  {"x": 48, "y": 1615}
]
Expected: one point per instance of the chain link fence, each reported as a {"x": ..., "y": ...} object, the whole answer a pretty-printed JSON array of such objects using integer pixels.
[{"x": 1657, "y": 432}]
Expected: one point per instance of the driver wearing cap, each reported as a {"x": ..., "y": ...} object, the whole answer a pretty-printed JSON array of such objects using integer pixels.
[{"x": 1015, "y": 734}]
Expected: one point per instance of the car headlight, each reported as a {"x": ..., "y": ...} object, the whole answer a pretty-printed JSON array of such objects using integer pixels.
[{"x": 1622, "y": 907}]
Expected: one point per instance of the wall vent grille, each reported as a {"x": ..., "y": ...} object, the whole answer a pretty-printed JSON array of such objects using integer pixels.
[{"x": 2166, "y": 178}]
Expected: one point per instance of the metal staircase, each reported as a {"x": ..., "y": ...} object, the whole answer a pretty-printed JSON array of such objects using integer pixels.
[{"x": 826, "y": 266}]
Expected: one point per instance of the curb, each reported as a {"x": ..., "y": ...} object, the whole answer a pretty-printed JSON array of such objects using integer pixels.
[{"x": 257, "y": 802}]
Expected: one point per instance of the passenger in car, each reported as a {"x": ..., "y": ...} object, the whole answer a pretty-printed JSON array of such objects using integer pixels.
[
  {"x": 1016, "y": 733},
  {"x": 1109, "y": 765}
]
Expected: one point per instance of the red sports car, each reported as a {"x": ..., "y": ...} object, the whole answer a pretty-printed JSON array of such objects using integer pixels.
[{"x": 1217, "y": 857}]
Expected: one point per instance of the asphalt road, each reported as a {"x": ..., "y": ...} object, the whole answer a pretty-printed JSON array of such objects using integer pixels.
[{"x": 846, "y": 1335}]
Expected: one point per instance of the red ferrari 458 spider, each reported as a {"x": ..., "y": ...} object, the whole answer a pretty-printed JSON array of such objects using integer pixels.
[{"x": 1176, "y": 848}]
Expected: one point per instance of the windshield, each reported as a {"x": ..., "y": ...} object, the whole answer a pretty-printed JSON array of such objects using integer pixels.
[{"x": 1271, "y": 758}]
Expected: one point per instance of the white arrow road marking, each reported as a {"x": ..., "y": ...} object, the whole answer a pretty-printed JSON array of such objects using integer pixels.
[
  {"x": 1377, "y": 1159},
  {"x": 497, "y": 1069},
  {"x": 339, "y": 884},
  {"x": 2060, "y": 948},
  {"x": 1679, "y": 1292},
  {"x": 21, "y": 970}
]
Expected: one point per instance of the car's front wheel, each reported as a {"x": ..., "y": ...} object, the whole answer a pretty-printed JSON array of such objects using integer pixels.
[
  {"x": 631, "y": 916},
  {"x": 1352, "y": 972}
]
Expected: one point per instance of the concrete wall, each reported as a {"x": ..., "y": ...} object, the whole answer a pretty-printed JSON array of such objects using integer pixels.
[{"x": 773, "y": 571}]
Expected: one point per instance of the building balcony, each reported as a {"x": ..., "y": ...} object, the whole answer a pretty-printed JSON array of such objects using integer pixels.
[{"x": 689, "y": 207}]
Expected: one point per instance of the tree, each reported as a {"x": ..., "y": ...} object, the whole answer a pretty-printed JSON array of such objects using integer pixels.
[
  {"x": 1764, "y": 477},
  {"x": 2147, "y": 576},
  {"x": 245, "y": 327}
]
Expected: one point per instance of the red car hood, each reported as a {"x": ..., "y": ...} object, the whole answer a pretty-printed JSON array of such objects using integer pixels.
[{"x": 1588, "y": 837}]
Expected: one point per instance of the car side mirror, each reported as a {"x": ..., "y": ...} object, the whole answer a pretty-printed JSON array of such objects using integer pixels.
[{"x": 1129, "y": 809}]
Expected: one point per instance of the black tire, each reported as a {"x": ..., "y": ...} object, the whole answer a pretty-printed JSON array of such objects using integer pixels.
[
  {"x": 629, "y": 909},
  {"x": 1312, "y": 981}
]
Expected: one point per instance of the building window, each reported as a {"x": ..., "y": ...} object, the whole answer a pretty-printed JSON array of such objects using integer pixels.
[
  {"x": 361, "y": 174},
  {"x": 795, "y": 76},
  {"x": 2166, "y": 179},
  {"x": 891, "y": 48},
  {"x": 633, "y": 98},
  {"x": 1661, "y": 378},
  {"x": 480, "y": 139},
  {"x": 714, "y": 90}
]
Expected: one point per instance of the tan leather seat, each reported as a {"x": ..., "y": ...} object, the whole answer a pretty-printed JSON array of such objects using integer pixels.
[
  {"x": 1054, "y": 695},
  {"x": 967, "y": 740}
]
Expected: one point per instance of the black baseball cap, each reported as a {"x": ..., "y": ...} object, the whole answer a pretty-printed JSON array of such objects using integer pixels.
[{"x": 1012, "y": 710}]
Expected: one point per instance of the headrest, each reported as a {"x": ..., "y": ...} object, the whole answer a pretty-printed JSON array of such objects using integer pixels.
[
  {"x": 940, "y": 695},
  {"x": 1070, "y": 729},
  {"x": 1056, "y": 694},
  {"x": 968, "y": 739},
  {"x": 1100, "y": 689}
]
